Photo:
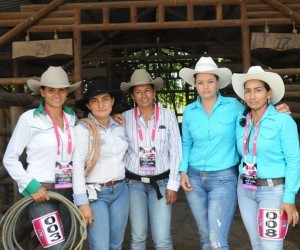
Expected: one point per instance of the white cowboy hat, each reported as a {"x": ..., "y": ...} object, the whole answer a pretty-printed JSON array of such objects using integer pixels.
[
  {"x": 54, "y": 77},
  {"x": 206, "y": 65},
  {"x": 257, "y": 73},
  {"x": 141, "y": 77}
]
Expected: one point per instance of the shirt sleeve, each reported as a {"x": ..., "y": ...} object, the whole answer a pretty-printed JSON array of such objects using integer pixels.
[
  {"x": 175, "y": 151},
  {"x": 290, "y": 146},
  {"x": 79, "y": 160},
  {"x": 19, "y": 140},
  {"x": 187, "y": 142}
]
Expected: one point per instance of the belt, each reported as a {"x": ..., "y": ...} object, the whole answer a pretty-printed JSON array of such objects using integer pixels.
[
  {"x": 149, "y": 180},
  {"x": 109, "y": 183},
  {"x": 271, "y": 182}
]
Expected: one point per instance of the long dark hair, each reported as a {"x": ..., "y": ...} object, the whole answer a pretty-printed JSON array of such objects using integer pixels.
[{"x": 248, "y": 109}]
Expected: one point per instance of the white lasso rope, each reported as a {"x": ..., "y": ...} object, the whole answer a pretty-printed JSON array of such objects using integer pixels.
[{"x": 11, "y": 217}]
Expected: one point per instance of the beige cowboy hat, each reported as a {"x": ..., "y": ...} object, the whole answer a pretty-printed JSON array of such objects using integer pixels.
[
  {"x": 141, "y": 77},
  {"x": 54, "y": 77},
  {"x": 206, "y": 65},
  {"x": 257, "y": 73}
]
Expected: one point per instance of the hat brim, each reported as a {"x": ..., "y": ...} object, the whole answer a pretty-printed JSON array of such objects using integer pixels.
[
  {"x": 35, "y": 86},
  {"x": 224, "y": 75},
  {"x": 157, "y": 82},
  {"x": 81, "y": 104},
  {"x": 272, "y": 79}
]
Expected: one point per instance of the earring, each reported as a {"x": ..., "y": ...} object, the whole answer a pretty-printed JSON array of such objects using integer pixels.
[{"x": 269, "y": 101}]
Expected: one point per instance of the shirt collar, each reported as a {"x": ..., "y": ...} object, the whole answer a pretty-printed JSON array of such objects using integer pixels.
[
  {"x": 220, "y": 100},
  {"x": 40, "y": 109},
  {"x": 112, "y": 122}
]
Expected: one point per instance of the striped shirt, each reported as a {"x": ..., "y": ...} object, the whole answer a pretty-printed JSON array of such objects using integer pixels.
[{"x": 167, "y": 143}]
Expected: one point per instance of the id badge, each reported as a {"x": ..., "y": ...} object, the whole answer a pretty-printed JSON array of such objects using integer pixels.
[
  {"x": 249, "y": 175},
  {"x": 147, "y": 158},
  {"x": 63, "y": 175}
]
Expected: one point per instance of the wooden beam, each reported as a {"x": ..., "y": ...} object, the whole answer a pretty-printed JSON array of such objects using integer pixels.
[
  {"x": 284, "y": 9},
  {"x": 29, "y": 21},
  {"x": 246, "y": 57},
  {"x": 13, "y": 99}
]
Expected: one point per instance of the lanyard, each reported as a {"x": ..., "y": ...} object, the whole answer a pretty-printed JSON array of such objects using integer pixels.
[
  {"x": 246, "y": 135},
  {"x": 139, "y": 126},
  {"x": 57, "y": 134}
]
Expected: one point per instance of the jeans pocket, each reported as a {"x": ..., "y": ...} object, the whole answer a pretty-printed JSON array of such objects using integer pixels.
[
  {"x": 279, "y": 189},
  {"x": 129, "y": 182}
]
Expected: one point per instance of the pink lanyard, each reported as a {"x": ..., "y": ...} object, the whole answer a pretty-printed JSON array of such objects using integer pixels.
[
  {"x": 139, "y": 126},
  {"x": 246, "y": 135},
  {"x": 57, "y": 134}
]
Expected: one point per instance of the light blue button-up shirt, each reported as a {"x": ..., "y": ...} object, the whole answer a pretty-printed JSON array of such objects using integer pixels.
[
  {"x": 209, "y": 141},
  {"x": 278, "y": 152}
]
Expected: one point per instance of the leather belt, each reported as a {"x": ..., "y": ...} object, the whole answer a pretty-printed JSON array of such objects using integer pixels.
[
  {"x": 149, "y": 180},
  {"x": 109, "y": 183},
  {"x": 268, "y": 182}
]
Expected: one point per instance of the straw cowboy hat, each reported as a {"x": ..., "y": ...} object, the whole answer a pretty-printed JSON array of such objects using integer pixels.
[
  {"x": 96, "y": 86},
  {"x": 141, "y": 77},
  {"x": 206, "y": 65},
  {"x": 54, "y": 77},
  {"x": 257, "y": 73}
]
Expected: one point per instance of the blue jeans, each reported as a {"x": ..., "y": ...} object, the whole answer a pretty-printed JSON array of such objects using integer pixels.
[
  {"x": 143, "y": 198},
  {"x": 110, "y": 218},
  {"x": 213, "y": 203},
  {"x": 249, "y": 203}
]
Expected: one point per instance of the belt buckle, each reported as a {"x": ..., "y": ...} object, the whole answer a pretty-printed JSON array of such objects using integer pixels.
[{"x": 145, "y": 179}]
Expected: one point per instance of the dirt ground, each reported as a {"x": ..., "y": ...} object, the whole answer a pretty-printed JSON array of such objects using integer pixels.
[{"x": 185, "y": 236}]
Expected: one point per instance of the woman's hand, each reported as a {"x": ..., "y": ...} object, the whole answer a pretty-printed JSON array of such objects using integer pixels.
[
  {"x": 119, "y": 119},
  {"x": 283, "y": 108},
  {"x": 41, "y": 195},
  {"x": 292, "y": 213},
  {"x": 171, "y": 196},
  {"x": 87, "y": 212},
  {"x": 185, "y": 182}
]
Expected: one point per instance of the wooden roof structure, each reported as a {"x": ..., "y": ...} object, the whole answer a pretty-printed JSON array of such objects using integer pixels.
[{"x": 112, "y": 31}]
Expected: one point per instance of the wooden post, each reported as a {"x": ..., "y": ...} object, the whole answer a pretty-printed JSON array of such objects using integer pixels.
[
  {"x": 245, "y": 37},
  {"x": 77, "y": 53},
  {"x": 2, "y": 137},
  {"x": 15, "y": 113}
]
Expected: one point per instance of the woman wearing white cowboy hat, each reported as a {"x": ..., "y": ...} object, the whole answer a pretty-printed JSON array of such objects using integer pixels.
[
  {"x": 47, "y": 133},
  {"x": 208, "y": 166},
  {"x": 99, "y": 187},
  {"x": 269, "y": 141},
  {"x": 152, "y": 162}
]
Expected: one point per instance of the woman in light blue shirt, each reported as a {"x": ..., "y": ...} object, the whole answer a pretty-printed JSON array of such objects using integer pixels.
[
  {"x": 208, "y": 168},
  {"x": 270, "y": 167}
]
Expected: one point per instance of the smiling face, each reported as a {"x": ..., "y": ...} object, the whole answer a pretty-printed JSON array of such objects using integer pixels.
[
  {"x": 54, "y": 97},
  {"x": 206, "y": 85},
  {"x": 257, "y": 93},
  {"x": 101, "y": 106},
  {"x": 143, "y": 95}
]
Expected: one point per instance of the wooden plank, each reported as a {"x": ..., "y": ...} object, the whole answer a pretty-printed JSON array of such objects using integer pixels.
[
  {"x": 25, "y": 15},
  {"x": 29, "y": 21},
  {"x": 42, "y": 48},
  {"x": 275, "y": 41}
]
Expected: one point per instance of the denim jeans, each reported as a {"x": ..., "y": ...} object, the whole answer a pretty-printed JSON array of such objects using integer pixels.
[
  {"x": 143, "y": 198},
  {"x": 249, "y": 203},
  {"x": 37, "y": 210},
  {"x": 213, "y": 202},
  {"x": 110, "y": 218}
]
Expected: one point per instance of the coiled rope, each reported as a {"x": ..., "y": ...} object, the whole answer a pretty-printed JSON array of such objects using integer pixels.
[
  {"x": 11, "y": 217},
  {"x": 94, "y": 149}
]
